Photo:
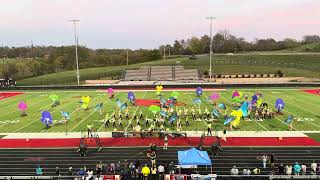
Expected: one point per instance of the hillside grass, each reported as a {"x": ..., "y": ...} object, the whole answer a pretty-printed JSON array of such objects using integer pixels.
[{"x": 301, "y": 65}]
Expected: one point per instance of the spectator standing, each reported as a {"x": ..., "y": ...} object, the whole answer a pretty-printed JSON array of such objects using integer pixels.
[
  {"x": 89, "y": 174},
  {"x": 165, "y": 142},
  {"x": 154, "y": 173},
  {"x": 314, "y": 168},
  {"x": 145, "y": 172},
  {"x": 70, "y": 171},
  {"x": 297, "y": 169},
  {"x": 288, "y": 169},
  {"x": 57, "y": 171},
  {"x": 171, "y": 168},
  {"x": 234, "y": 171},
  {"x": 281, "y": 169},
  {"x": 272, "y": 159},
  {"x": 99, "y": 168},
  {"x": 304, "y": 169},
  {"x": 161, "y": 171},
  {"x": 139, "y": 173},
  {"x": 264, "y": 161},
  {"x": 132, "y": 169},
  {"x": 39, "y": 170},
  {"x": 89, "y": 129}
]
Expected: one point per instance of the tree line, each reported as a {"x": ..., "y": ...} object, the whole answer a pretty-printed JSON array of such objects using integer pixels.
[
  {"x": 224, "y": 42},
  {"x": 33, "y": 61}
]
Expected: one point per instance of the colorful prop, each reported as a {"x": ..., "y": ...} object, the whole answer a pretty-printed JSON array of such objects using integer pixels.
[
  {"x": 110, "y": 92},
  {"x": 215, "y": 113},
  {"x": 173, "y": 118},
  {"x": 221, "y": 106},
  {"x": 196, "y": 101},
  {"x": 244, "y": 109},
  {"x": 154, "y": 109},
  {"x": 121, "y": 106},
  {"x": 53, "y": 97},
  {"x": 131, "y": 97},
  {"x": 214, "y": 96},
  {"x": 237, "y": 114},
  {"x": 98, "y": 107},
  {"x": 175, "y": 94},
  {"x": 254, "y": 98},
  {"x": 159, "y": 89},
  {"x": 22, "y": 106},
  {"x": 199, "y": 91},
  {"x": 279, "y": 104},
  {"x": 163, "y": 113},
  {"x": 235, "y": 94},
  {"x": 288, "y": 120},
  {"x": 85, "y": 102},
  {"x": 46, "y": 118},
  {"x": 228, "y": 120},
  {"x": 65, "y": 115}
]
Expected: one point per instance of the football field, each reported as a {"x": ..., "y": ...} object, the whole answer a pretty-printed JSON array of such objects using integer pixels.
[{"x": 303, "y": 106}]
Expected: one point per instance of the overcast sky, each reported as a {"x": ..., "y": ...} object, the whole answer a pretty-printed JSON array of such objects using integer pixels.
[{"x": 150, "y": 23}]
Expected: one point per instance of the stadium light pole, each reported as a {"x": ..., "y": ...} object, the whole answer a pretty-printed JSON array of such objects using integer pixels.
[
  {"x": 211, "y": 18},
  {"x": 164, "y": 52},
  {"x": 74, "y": 21},
  {"x": 127, "y": 57}
]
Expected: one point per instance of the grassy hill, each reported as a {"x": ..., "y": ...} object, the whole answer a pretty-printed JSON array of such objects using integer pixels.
[{"x": 307, "y": 65}]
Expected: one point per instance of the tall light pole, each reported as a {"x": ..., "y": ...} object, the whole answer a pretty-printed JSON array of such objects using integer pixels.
[
  {"x": 74, "y": 21},
  {"x": 164, "y": 52},
  {"x": 127, "y": 57},
  {"x": 210, "y": 67}
]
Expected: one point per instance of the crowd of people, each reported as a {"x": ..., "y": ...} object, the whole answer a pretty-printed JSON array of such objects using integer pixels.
[{"x": 288, "y": 169}]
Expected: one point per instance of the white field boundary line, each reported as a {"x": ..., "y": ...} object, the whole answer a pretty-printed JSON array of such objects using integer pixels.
[
  {"x": 37, "y": 118},
  {"x": 18, "y": 109},
  {"x": 280, "y": 119},
  {"x": 297, "y": 115},
  {"x": 138, "y": 107},
  {"x": 83, "y": 118},
  {"x": 290, "y": 97},
  {"x": 249, "y": 121}
]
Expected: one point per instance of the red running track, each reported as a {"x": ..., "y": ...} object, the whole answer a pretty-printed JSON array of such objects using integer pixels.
[{"x": 134, "y": 141}]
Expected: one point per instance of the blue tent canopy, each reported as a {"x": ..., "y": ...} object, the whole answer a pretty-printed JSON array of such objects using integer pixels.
[{"x": 193, "y": 157}]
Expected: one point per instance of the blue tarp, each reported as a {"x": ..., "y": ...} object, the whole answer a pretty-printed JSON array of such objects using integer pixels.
[{"x": 193, "y": 157}]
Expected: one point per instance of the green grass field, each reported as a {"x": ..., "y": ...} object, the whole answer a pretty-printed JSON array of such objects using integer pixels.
[{"x": 303, "y": 106}]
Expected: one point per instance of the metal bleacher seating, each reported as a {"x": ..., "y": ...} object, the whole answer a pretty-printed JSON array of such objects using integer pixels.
[{"x": 164, "y": 73}]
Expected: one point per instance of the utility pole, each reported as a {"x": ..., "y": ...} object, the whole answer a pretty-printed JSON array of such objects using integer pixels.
[
  {"x": 210, "y": 66},
  {"x": 74, "y": 21},
  {"x": 127, "y": 57},
  {"x": 32, "y": 55},
  {"x": 164, "y": 52}
]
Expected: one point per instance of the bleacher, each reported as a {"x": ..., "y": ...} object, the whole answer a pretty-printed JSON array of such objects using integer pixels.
[
  {"x": 136, "y": 75},
  {"x": 161, "y": 73},
  {"x": 15, "y": 162}
]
